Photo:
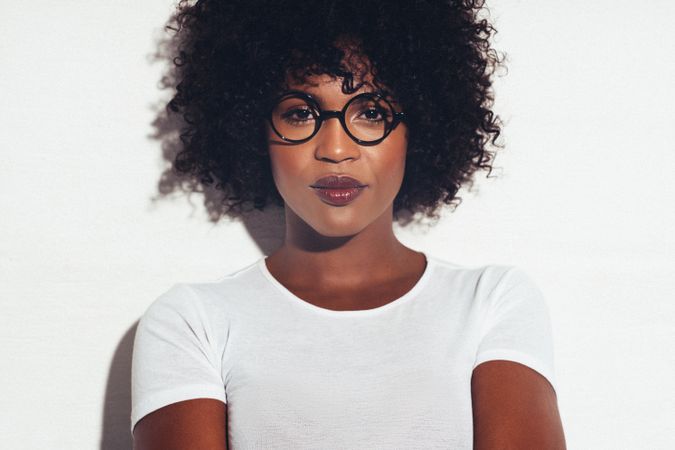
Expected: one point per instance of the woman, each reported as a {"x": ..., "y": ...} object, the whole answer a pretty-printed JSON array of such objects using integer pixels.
[{"x": 347, "y": 114}]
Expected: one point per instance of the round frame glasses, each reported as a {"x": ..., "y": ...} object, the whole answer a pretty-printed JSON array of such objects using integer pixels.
[{"x": 297, "y": 113}]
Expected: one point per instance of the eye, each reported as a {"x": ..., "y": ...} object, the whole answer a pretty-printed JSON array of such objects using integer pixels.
[
  {"x": 373, "y": 114},
  {"x": 298, "y": 115},
  {"x": 368, "y": 111}
]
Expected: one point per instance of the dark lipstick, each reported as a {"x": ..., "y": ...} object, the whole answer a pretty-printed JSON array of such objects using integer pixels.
[{"x": 338, "y": 190}]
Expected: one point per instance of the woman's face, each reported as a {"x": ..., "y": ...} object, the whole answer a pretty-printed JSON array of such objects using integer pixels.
[{"x": 297, "y": 168}]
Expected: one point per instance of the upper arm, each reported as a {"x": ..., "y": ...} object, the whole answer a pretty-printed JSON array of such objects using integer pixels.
[
  {"x": 197, "y": 424},
  {"x": 513, "y": 381},
  {"x": 178, "y": 392},
  {"x": 514, "y": 407}
]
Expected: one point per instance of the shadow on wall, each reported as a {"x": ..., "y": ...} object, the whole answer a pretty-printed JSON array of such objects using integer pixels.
[{"x": 117, "y": 407}]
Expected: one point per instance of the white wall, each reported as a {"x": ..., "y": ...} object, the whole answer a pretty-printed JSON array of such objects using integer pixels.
[{"x": 583, "y": 201}]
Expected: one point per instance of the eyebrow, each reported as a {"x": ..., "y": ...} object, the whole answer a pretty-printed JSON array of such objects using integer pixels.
[{"x": 381, "y": 92}]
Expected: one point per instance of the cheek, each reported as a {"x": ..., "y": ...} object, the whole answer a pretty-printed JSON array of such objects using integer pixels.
[
  {"x": 283, "y": 169},
  {"x": 288, "y": 172},
  {"x": 391, "y": 169}
]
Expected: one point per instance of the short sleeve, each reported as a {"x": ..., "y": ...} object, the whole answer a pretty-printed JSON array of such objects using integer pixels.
[
  {"x": 174, "y": 356},
  {"x": 517, "y": 325}
]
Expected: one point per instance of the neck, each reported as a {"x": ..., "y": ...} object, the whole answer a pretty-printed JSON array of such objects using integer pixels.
[{"x": 372, "y": 253}]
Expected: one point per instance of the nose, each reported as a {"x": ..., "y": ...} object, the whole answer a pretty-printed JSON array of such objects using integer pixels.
[{"x": 333, "y": 143}]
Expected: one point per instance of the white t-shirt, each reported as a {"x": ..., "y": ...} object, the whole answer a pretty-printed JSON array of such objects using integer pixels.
[{"x": 295, "y": 375}]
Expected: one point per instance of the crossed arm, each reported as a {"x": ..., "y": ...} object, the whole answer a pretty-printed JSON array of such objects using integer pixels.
[{"x": 514, "y": 407}]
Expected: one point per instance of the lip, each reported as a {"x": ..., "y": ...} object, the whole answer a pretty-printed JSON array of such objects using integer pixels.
[
  {"x": 338, "y": 182},
  {"x": 338, "y": 190}
]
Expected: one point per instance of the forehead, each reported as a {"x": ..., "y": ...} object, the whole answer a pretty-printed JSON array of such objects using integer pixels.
[{"x": 330, "y": 86}]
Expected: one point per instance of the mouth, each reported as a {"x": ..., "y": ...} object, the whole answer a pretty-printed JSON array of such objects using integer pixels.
[
  {"x": 337, "y": 182},
  {"x": 338, "y": 190},
  {"x": 338, "y": 197}
]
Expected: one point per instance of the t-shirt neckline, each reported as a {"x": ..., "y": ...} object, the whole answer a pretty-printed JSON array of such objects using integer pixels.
[{"x": 405, "y": 298}]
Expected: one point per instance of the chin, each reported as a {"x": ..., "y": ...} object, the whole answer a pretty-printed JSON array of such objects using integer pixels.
[
  {"x": 332, "y": 221},
  {"x": 338, "y": 227}
]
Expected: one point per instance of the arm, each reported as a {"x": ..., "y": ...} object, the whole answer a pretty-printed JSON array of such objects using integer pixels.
[
  {"x": 514, "y": 407},
  {"x": 198, "y": 424},
  {"x": 178, "y": 394}
]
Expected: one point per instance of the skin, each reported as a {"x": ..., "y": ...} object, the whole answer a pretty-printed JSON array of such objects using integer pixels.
[
  {"x": 514, "y": 407},
  {"x": 330, "y": 254}
]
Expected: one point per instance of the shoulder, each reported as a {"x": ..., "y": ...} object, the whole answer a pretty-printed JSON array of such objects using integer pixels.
[
  {"x": 486, "y": 280},
  {"x": 177, "y": 300},
  {"x": 182, "y": 300},
  {"x": 445, "y": 266},
  {"x": 514, "y": 288},
  {"x": 204, "y": 297}
]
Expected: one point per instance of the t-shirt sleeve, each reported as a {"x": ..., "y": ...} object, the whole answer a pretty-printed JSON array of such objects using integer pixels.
[
  {"x": 517, "y": 326},
  {"x": 174, "y": 355}
]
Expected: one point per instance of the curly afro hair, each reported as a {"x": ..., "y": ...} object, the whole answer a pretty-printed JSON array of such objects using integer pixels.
[{"x": 434, "y": 56}]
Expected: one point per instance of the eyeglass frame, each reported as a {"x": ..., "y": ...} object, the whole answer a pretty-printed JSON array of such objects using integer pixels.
[{"x": 323, "y": 115}]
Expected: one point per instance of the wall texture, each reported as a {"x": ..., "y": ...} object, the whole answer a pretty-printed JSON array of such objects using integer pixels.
[{"x": 583, "y": 200}]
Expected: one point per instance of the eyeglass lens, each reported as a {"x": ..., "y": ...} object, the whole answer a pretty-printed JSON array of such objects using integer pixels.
[{"x": 367, "y": 118}]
